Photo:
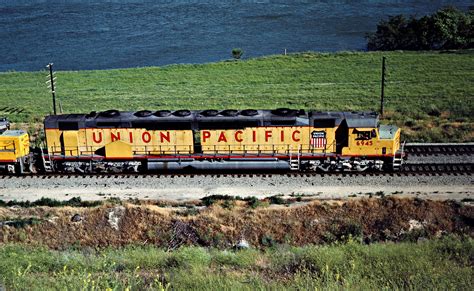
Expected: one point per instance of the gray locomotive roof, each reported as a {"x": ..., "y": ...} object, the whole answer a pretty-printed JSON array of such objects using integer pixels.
[
  {"x": 18, "y": 132},
  {"x": 51, "y": 121},
  {"x": 327, "y": 115},
  {"x": 353, "y": 119},
  {"x": 361, "y": 119}
]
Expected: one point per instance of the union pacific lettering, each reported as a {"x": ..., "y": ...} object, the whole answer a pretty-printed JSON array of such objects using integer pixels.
[
  {"x": 98, "y": 137},
  {"x": 238, "y": 136}
]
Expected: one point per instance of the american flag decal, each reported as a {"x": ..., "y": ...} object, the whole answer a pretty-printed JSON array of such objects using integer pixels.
[{"x": 318, "y": 139}]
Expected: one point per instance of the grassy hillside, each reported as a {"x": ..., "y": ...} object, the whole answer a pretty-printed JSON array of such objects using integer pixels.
[
  {"x": 360, "y": 244},
  {"x": 429, "y": 93},
  {"x": 437, "y": 264}
]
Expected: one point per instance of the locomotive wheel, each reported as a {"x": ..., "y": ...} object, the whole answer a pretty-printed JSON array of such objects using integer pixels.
[
  {"x": 182, "y": 113},
  {"x": 249, "y": 112},
  {"x": 230, "y": 112},
  {"x": 143, "y": 113},
  {"x": 110, "y": 113},
  {"x": 209, "y": 112},
  {"x": 162, "y": 113}
]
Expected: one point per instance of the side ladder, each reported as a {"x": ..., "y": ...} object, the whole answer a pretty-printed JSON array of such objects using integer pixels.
[
  {"x": 398, "y": 159},
  {"x": 47, "y": 163},
  {"x": 295, "y": 162}
]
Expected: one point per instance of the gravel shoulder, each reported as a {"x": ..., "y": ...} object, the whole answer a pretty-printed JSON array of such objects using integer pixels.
[{"x": 456, "y": 187}]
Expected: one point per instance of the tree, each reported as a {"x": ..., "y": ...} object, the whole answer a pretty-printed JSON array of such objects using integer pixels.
[
  {"x": 453, "y": 28},
  {"x": 388, "y": 34},
  {"x": 448, "y": 28}
]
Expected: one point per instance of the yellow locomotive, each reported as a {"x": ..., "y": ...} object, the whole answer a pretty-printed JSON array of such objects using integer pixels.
[
  {"x": 281, "y": 139},
  {"x": 14, "y": 149}
]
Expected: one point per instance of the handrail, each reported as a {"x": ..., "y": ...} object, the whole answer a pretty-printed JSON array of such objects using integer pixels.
[{"x": 188, "y": 149}]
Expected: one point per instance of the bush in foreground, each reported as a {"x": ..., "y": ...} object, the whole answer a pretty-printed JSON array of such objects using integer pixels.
[{"x": 436, "y": 264}]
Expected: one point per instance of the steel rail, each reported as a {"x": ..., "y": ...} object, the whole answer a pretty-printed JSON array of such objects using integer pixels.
[
  {"x": 425, "y": 149},
  {"x": 407, "y": 170}
]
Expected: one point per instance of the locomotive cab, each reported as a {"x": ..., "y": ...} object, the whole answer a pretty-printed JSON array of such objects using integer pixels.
[
  {"x": 383, "y": 140},
  {"x": 14, "y": 151},
  {"x": 389, "y": 139}
]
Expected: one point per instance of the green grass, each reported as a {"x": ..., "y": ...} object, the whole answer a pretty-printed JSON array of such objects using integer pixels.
[
  {"x": 428, "y": 93},
  {"x": 437, "y": 264}
]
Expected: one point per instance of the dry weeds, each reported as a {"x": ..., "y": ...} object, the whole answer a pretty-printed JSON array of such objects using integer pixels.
[{"x": 313, "y": 223}]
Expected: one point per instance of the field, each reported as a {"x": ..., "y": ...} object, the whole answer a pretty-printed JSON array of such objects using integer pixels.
[
  {"x": 437, "y": 264},
  {"x": 363, "y": 243},
  {"x": 429, "y": 94}
]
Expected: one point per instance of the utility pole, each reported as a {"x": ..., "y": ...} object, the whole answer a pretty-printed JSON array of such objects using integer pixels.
[
  {"x": 51, "y": 80},
  {"x": 382, "y": 93}
]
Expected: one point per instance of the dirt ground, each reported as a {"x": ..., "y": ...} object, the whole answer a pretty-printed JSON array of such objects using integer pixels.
[
  {"x": 188, "y": 188},
  {"x": 223, "y": 223},
  {"x": 186, "y": 193}
]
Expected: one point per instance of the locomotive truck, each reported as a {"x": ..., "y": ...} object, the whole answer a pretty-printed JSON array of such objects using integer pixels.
[{"x": 114, "y": 141}]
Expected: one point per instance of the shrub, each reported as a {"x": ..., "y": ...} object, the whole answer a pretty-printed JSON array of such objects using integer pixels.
[
  {"x": 130, "y": 257},
  {"x": 241, "y": 258},
  {"x": 343, "y": 231},
  {"x": 43, "y": 201},
  {"x": 190, "y": 257},
  {"x": 228, "y": 204},
  {"x": 380, "y": 194},
  {"x": 268, "y": 241},
  {"x": 410, "y": 122},
  {"x": 434, "y": 111},
  {"x": 276, "y": 200},
  {"x": 237, "y": 53},
  {"x": 189, "y": 211},
  {"x": 21, "y": 222},
  {"x": 211, "y": 199},
  {"x": 253, "y": 202}
]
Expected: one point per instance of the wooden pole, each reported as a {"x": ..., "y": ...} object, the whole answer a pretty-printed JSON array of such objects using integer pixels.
[{"x": 52, "y": 86}]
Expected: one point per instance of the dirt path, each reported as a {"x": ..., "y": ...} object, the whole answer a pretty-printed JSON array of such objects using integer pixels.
[{"x": 188, "y": 188}]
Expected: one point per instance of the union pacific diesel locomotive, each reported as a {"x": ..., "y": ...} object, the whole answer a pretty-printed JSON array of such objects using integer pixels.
[{"x": 260, "y": 140}]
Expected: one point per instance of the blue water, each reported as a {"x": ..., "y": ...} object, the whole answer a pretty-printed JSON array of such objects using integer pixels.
[{"x": 80, "y": 34}]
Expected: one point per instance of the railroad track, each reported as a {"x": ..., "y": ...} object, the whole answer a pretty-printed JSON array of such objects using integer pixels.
[
  {"x": 407, "y": 170},
  {"x": 426, "y": 149},
  {"x": 439, "y": 168},
  {"x": 463, "y": 166}
]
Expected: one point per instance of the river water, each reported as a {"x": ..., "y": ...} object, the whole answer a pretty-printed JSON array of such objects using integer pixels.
[{"x": 81, "y": 34}]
